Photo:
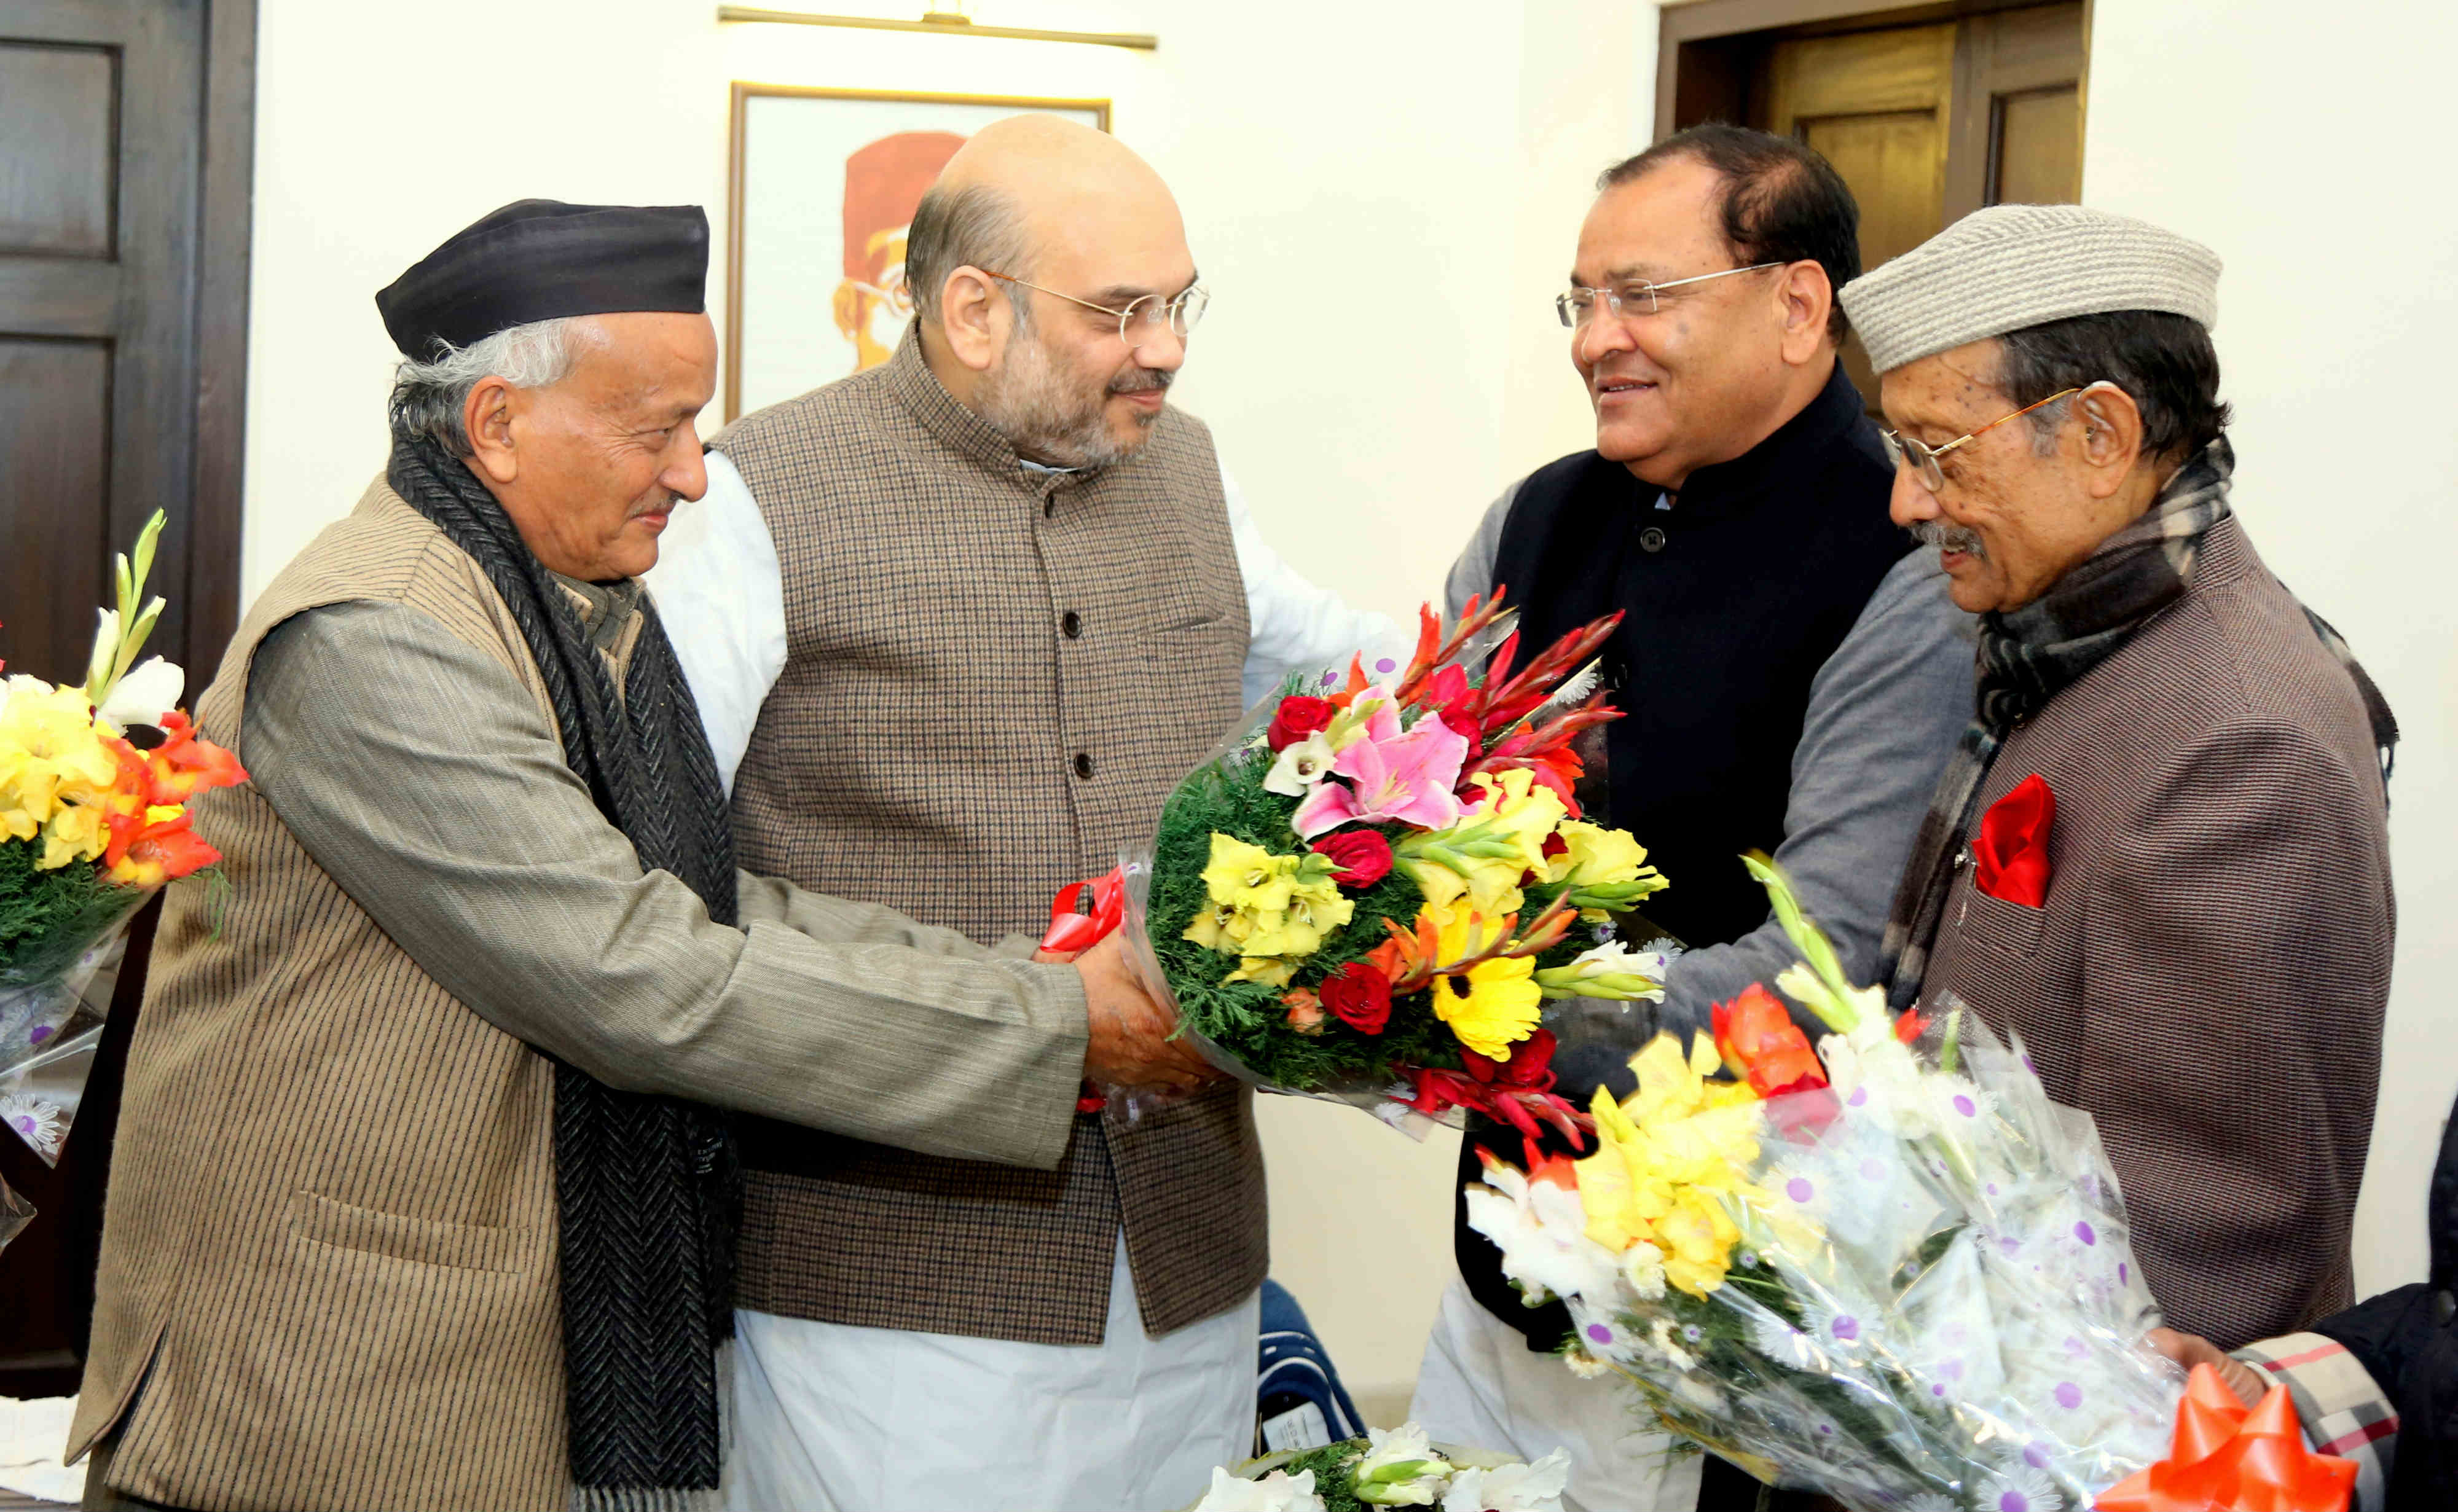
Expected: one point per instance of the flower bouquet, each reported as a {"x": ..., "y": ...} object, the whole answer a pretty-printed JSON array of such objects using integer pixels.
[
  {"x": 1892, "y": 1272},
  {"x": 1369, "y": 889},
  {"x": 94, "y": 782},
  {"x": 1394, "y": 1468}
]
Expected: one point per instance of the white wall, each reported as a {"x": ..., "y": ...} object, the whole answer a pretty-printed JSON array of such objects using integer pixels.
[
  {"x": 1382, "y": 202},
  {"x": 2308, "y": 153}
]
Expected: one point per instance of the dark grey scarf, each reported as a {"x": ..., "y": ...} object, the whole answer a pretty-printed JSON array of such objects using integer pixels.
[
  {"x": 647, "y": 1190},
  {"x": 2027, "y": 655}
]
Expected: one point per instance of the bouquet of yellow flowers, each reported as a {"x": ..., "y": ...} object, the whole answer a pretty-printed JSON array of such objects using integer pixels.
[{"x": 95, "y": 783}]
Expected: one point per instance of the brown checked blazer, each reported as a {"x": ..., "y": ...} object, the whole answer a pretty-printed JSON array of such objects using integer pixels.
[{"x": 2207, "y": 975}]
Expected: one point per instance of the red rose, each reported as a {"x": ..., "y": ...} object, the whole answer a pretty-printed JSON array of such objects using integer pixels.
[
  {"x": 1358, "y": 857},
  {"x": 1298, "y": 718},
  {"x": 1360, "y": 996}
]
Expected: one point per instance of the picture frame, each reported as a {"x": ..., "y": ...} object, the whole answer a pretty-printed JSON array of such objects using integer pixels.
[{"x": 820, "y": 186}]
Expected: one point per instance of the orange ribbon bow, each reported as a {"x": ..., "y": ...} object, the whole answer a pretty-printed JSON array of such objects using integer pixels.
[
  {"x": 2224, "y": 1458},
  {"x": 1077, "y": 924}
]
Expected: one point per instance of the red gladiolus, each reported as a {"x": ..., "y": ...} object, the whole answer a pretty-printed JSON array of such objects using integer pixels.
[
  {"x": 1298, "y": 717},
  {"x": 1362, "y": 858},
  {"x": 1360, "y": 997},
  {"x": 1759, "y": 1040}
]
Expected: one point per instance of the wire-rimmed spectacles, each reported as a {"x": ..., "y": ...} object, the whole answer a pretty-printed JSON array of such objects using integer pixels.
[
  {"x": 1902, "y": 449},
  {"x": 1182, "y": 313},
  {"x": 1578, "y": 306}
]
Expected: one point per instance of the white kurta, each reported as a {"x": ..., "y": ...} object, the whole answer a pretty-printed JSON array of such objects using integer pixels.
[
  {"x": 1480, "y": 1383},
  {"x": 869, "y": 1419}
]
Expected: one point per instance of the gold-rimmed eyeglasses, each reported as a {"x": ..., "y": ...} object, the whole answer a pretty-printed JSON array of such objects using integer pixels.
[
  {"x": 1578, "y": 306},
  {"x": 1181, "y": 314},
  {"x": 1923, "y": 458}
]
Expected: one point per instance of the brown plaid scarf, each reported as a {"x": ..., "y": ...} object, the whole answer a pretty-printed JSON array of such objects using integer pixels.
[{"x": 2027, "y": 655}]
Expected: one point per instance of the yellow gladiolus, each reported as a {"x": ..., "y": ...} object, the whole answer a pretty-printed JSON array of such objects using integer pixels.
[
  {"x": 52, "y": 757},
  {"x": 1270, "y": 911},
  {"x": 1492, "y": 1004},
  {"x": 1668, "y": 1158},
  {"x": 1597, "y": 857}
]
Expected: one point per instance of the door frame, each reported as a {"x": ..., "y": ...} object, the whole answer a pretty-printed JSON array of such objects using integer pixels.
[
  {"x": 225, "y": 215},
  {"x": 1686, "y": 21}
]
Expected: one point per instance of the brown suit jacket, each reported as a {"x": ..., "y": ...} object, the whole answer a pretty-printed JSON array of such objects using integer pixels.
[{"x": 2208, "y": 974}]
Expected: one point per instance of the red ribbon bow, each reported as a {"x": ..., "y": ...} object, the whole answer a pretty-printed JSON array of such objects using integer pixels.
[
  {"x": 1076, "y": 922},
  {"x": 2224, "y": 1458},
  {"x": 2009, "y": 856}
]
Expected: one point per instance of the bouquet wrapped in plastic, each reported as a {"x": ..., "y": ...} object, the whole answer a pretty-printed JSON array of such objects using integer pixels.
[
  {"x": 1397, "y": 1467},
  {"x": 94, "y": 782},
  {"x": 1371, "y": 888},
  {"x": 1892, "y": 1272}
]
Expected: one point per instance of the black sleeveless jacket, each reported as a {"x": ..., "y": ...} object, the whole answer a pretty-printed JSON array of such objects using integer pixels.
[{"x": 1734, "y": 598}]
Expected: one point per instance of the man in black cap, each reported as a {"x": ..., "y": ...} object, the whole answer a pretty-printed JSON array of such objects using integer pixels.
[{"x": 416, "y": 1200}]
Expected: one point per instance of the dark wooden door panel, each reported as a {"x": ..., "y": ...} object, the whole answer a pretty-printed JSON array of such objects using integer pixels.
[
  {"x": 59, "y": 110},
  {"x": 55, "y": 452},
  {"x": 126, "y": 131}
]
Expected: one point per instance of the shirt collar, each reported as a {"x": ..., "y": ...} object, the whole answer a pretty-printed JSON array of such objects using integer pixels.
[{"x": 605, "y": 609}]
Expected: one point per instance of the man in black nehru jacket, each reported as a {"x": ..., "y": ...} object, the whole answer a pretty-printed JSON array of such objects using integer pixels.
[{"x": 1792, "y": 673}]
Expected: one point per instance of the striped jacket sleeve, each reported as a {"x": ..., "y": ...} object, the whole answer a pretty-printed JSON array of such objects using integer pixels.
[{"x": 2345, "y": 1411}]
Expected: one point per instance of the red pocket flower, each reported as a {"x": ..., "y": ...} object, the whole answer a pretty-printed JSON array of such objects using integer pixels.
[
  {"x": 2009, "y": 853},
  {"x": 1298, "y": 717},
  {"x": 1362, "y": 858},
  {"x": 1759, "y": 1040},
  {"x": 1359, "y": 996}
]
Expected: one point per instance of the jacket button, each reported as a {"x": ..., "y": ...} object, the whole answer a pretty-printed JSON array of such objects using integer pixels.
[
  {"x": 1651, "y": 539},
  {"x": 1084, "y": 766},
  {"x": 1072, "y": 623}
]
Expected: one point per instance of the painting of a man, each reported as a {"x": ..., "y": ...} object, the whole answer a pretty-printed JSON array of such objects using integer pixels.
[{"x": 884, "y": 181}]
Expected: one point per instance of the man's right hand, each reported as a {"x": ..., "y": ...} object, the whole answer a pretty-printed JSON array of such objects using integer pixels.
[{"x": 1131, "y": 1043}]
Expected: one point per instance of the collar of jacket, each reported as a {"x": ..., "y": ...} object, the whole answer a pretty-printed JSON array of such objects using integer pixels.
[
  {"x": 1778, "y": 461},
  {"x": 969, "y": 435}
]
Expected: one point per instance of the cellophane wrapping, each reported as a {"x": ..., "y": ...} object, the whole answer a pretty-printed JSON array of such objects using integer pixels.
[
  {"x": 1931, "y": 1302},
  {"x": 52, "y": 1013}
]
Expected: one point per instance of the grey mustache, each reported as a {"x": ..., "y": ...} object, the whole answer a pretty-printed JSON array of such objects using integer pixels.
[
  {"x": 1146, "y": 381},
  {"x": 1949, "y": 537}
]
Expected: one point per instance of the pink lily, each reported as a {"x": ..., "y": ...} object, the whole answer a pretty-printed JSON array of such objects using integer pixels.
[{"x": 1396, "y": 774}]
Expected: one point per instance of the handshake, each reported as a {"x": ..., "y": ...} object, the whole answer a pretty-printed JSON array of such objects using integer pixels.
[{"x": 1131, "y": 1043}]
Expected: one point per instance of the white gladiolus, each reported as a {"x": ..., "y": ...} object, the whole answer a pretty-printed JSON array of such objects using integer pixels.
[
  {"x": 1399, "y": 1469},
  {"x": 1535, "y": 1488},
  {"x": 150, "y": 689},
  {"x": 1277, "y": 1492},
  {"x": 1301, "y": 765}
]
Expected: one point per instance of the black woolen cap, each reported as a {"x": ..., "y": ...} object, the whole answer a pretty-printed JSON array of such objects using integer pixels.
[{"x": 542, "y": 260}]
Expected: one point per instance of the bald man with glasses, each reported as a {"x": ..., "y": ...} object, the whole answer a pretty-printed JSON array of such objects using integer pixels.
[
  {"x": 1794, "y": 678},
  {"x": 956, "y": 626}
]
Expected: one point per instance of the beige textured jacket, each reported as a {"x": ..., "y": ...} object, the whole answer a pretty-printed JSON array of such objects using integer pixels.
[{"x": 329, "y": 1274}]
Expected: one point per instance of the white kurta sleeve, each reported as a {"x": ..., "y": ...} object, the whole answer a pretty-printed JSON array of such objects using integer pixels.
[
  {"x": 1292, "y": 623},
  {"x": 721, "y": 597}
]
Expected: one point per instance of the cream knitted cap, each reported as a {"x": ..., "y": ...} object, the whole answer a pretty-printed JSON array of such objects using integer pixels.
[{"x": 2010, "y": 266}]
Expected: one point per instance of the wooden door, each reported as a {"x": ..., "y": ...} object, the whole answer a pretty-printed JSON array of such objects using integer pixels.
[
  {"x": 125, "y": 137},
  {"x": 1925, "y": 122}
]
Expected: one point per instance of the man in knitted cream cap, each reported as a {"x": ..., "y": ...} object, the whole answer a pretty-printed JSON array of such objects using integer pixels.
[{"x": 2158, "y": 853}]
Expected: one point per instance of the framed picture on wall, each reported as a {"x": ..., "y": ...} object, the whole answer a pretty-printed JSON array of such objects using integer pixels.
[{"x": 823, "y": 185}]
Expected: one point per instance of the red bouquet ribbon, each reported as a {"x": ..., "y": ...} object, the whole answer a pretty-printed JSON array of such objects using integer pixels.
[
  {"x": 1079, "y": 920},
  {"x": 2224, "y": 1458},
  {"x": 2011, "y": 854}
]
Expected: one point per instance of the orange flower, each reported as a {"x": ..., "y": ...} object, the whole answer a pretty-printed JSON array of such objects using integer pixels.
[
  {"x": 159, "y": 848},
  {"x": 182, "y": 765},
  {"x": 1758, "y": 1041}
]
